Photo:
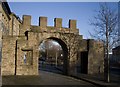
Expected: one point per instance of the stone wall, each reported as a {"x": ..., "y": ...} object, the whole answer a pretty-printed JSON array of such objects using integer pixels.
[
  {"x": 4, "y": 25},
  {"x": 95, "y": 57},
  {"x": 14, "y": 25},
  {"x": 8, "y": 55},
  {"x": 4, "y": 20},
  {"x": 25, "y": 58}
]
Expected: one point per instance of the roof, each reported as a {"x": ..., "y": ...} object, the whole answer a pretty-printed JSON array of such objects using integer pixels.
[
  {"x": 17, "y": 17},
  {"x": 6, "y": 8},
  {"x": 116, "y": 48}
]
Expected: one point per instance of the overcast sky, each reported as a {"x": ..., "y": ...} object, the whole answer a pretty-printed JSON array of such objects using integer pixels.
[{"x": 80, "y": 11}]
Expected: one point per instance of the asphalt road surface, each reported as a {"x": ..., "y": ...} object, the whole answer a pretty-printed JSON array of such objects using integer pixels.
[{"x": 45, "y": 78}]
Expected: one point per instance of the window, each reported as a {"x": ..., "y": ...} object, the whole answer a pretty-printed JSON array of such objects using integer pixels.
[{"x": 28, "y": 57}]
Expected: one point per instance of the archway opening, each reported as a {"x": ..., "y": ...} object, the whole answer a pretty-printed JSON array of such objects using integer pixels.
[{"x": 53, "y": 56}]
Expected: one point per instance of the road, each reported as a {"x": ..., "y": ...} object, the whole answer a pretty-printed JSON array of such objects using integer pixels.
[
  {"x": 51, "y": 68},
  {"x": 45, "y": 78}
]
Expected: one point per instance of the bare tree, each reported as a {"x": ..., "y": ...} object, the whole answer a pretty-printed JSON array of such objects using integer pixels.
[
  {"x": 50, "y": 49},
  {"x": 105, "y": 30},
  {"x": 44, "y": 48}
]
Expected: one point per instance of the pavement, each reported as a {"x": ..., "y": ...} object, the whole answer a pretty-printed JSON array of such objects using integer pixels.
[{"x": 99, "y": 79}]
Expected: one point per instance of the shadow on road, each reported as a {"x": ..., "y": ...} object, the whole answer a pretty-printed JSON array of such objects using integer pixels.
[{"x": 50, "y": 68}]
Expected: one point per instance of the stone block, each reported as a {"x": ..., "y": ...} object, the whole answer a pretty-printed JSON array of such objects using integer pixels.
[
  {"x": 58, "y": 22},
  {"x": 26, "y": 20},
  {"x": 43, "y": 21},
  {"x": 72, "y": 24}
]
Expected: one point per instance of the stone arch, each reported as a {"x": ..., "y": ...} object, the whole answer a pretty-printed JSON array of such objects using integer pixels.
[
  {"x": 65, "y": 52},
  {"x": 28, "y": 41}
]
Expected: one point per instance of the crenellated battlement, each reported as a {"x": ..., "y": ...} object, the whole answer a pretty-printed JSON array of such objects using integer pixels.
[
  {"x": 26, "y": 20},
  {"x": 42, "y": 26},
  {"x": 43, "y": 21}
]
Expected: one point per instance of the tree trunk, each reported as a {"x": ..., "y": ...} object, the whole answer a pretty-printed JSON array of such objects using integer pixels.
[{"x": 107, "y": 53}]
